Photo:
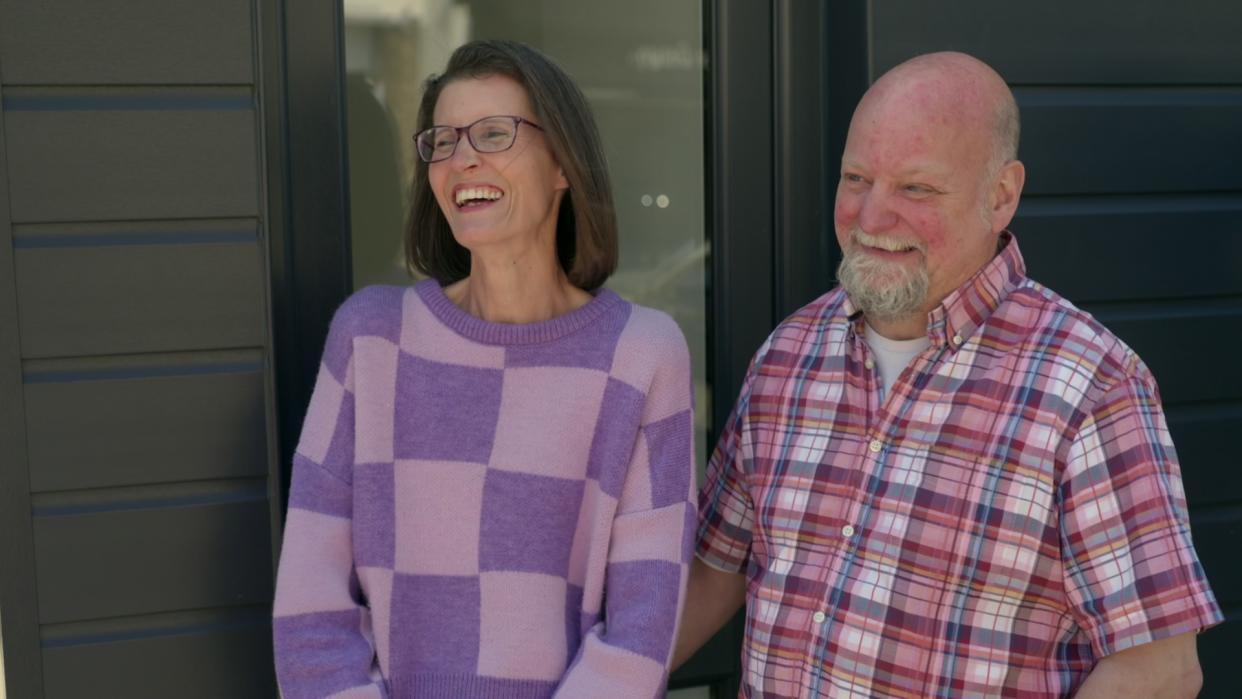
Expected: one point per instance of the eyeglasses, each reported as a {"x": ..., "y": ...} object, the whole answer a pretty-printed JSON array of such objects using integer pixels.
[{"x": 491, "y": 134}]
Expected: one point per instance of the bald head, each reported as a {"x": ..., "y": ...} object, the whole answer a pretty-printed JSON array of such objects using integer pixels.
[{"x": 953, "y": 88}]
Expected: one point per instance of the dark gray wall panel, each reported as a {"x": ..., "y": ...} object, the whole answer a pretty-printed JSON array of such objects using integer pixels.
[
  {"x": 126, "y": 42},
  {"x": 1139, "y": 139},
  {"x": 1206, "y": 438},
  {"x": 154, "y": 429},
  {"x": 1132, "y": 248},
  {"x": 1068, "y": 41},
  {"x": 153, "y": 559},
  {"x": 1216, "y": 534},
  {"x": 1182, "y": 347},
  {"x": 19, "y": 624},
  {"x": 111, "y": 165},
  {"x": 1218, "y": 654},
  {"x": 142, "y": 298},
  {"x": 234, "y": 663}
]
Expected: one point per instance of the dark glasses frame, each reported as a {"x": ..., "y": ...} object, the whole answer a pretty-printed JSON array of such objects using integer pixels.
[{"x": 425, "y": 140}]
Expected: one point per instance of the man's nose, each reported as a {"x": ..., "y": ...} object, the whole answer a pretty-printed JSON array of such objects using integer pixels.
[{"x": 876, "y": 214}]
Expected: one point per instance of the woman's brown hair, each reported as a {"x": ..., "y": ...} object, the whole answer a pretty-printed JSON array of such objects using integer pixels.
[{"x": 586, "y": 227}]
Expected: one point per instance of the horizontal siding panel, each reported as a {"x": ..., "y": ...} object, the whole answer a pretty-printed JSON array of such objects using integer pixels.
[
  {"x": 1216, "y": 534},
  {"x": 231, "y": 662},
  {"x": 126, "y": 42},
  {"x": 1067, "y": 41},
  {"x": 1218, "y": 654},
  {"x": 118, "y": 299},
  {"x": 152, "y": 559},
  {"x": 1205, "y": 437},
  {"x": 1183, "y": 348},
  {"x": 141, "y": 163},
  {"x": 1145, "y": 140},
  {"x": 1133, "y": 248},
  {"x": 157, "y": 429}
]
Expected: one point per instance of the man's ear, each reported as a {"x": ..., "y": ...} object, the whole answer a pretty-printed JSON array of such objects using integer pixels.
[{"x": 1006, "y": 192}]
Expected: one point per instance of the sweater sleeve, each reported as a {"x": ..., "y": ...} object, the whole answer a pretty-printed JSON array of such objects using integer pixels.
[
  {"x": 321, "y": 626},
  {"x": 627, "y": 653}
]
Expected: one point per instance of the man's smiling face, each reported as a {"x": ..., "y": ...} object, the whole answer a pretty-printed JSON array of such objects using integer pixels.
[{"x": 914, "y": 206}]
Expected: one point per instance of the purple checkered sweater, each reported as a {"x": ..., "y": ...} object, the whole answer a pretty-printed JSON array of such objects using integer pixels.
[{"x": 488, "y": 510}]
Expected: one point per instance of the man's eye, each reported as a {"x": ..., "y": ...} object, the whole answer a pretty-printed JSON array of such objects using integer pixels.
[
  {"x": 852, "y": 178},
  {"x": 918, "y": 189}
]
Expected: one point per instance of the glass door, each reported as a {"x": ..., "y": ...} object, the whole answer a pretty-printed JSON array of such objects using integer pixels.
[{"x": 641, "y": 66}]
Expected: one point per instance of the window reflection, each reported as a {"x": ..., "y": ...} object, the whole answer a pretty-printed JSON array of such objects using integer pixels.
[{"x": 640, "y": 64}]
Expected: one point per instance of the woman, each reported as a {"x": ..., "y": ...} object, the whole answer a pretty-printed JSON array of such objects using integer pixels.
[{"x": 492, "y": 495}]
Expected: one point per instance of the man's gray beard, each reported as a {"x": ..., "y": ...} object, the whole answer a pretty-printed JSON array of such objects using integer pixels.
[{"x": 884, "y": 291}]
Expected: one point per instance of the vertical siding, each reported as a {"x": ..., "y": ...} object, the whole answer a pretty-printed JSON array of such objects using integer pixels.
[
  {"x": 1133, "y": 210},
  {"x": 136, "y": 267}
]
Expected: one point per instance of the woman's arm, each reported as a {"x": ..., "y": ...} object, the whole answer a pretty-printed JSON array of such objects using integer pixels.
[
  {"x": 627, "y": 654},
  {"x": 320, "y": 644}
]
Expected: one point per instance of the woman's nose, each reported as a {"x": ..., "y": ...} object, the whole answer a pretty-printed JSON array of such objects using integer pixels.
[{"x": 464, "y": 155}]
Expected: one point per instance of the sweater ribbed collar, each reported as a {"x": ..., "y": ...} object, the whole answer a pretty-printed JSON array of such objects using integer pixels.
[{"x": 480, "y": 330}]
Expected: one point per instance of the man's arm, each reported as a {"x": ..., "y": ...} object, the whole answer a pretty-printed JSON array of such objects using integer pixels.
[
  {"x": 712, "y": 598},
  {"x": 1164, "y": 669}
]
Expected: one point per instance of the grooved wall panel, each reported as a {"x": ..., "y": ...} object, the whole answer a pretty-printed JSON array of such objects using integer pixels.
[
  {"x": 1220, "y": 531},
  {"x": 141, "y": 298},
  {"x": 1070, "y": 42},
  {"x": 1218, "y": 648},
  {"x": 1153, "y": 140},
  {"x": 133, "y": 185},
  {"x": 68, "y": 165},
  {"x": 128, "y": 42},
  {"x": 152, "y": 559},
  {"x": 234, "y": 663},
  {"x": 1184, "y": 353},
  {"x": 1132, "y": 250},
  {"x": 1206, "y": 439},
  {"x": 158, "y": 429}
]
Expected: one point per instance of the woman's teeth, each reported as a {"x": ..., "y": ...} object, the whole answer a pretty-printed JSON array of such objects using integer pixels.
[{"x": 465, "y": 196}]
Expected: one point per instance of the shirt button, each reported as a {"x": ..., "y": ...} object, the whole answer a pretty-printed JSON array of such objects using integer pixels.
[
  {"x": 847, "y": 531},
  {"x": 957, "y": 339},
  {"x": 875, "y": 446},
  {"x": 870, "y": 363},
  {"x": 819, "y": 617}
]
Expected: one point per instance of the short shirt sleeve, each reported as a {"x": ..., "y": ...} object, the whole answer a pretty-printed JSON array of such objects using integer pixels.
[
  {"x": 1131, "y": 572},
  {"x": 726, "y": 512}
]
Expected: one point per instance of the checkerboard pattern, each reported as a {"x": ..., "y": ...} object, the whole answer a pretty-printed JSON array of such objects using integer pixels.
[
  {"x": 488, "y": 510},
  {"x": 1010, "y": 514}
]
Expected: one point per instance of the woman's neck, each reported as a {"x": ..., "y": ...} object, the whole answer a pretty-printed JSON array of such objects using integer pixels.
[{"x": 516, "y": 291}]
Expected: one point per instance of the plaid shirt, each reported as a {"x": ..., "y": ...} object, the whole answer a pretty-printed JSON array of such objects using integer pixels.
[{"x": 1009, "y": 515}]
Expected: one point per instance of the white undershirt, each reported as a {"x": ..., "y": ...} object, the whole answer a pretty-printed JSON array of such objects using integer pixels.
[{"x": 892, "y": 356}]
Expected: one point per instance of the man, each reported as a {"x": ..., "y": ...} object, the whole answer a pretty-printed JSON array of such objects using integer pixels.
[{"x": 942, "y": 479}]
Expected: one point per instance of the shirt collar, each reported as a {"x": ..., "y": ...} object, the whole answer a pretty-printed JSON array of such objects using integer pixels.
[{"x": 961, "y": 313}]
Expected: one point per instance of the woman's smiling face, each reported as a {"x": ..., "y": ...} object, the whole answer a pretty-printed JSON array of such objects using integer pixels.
[{"x": 508, "y": 197}]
